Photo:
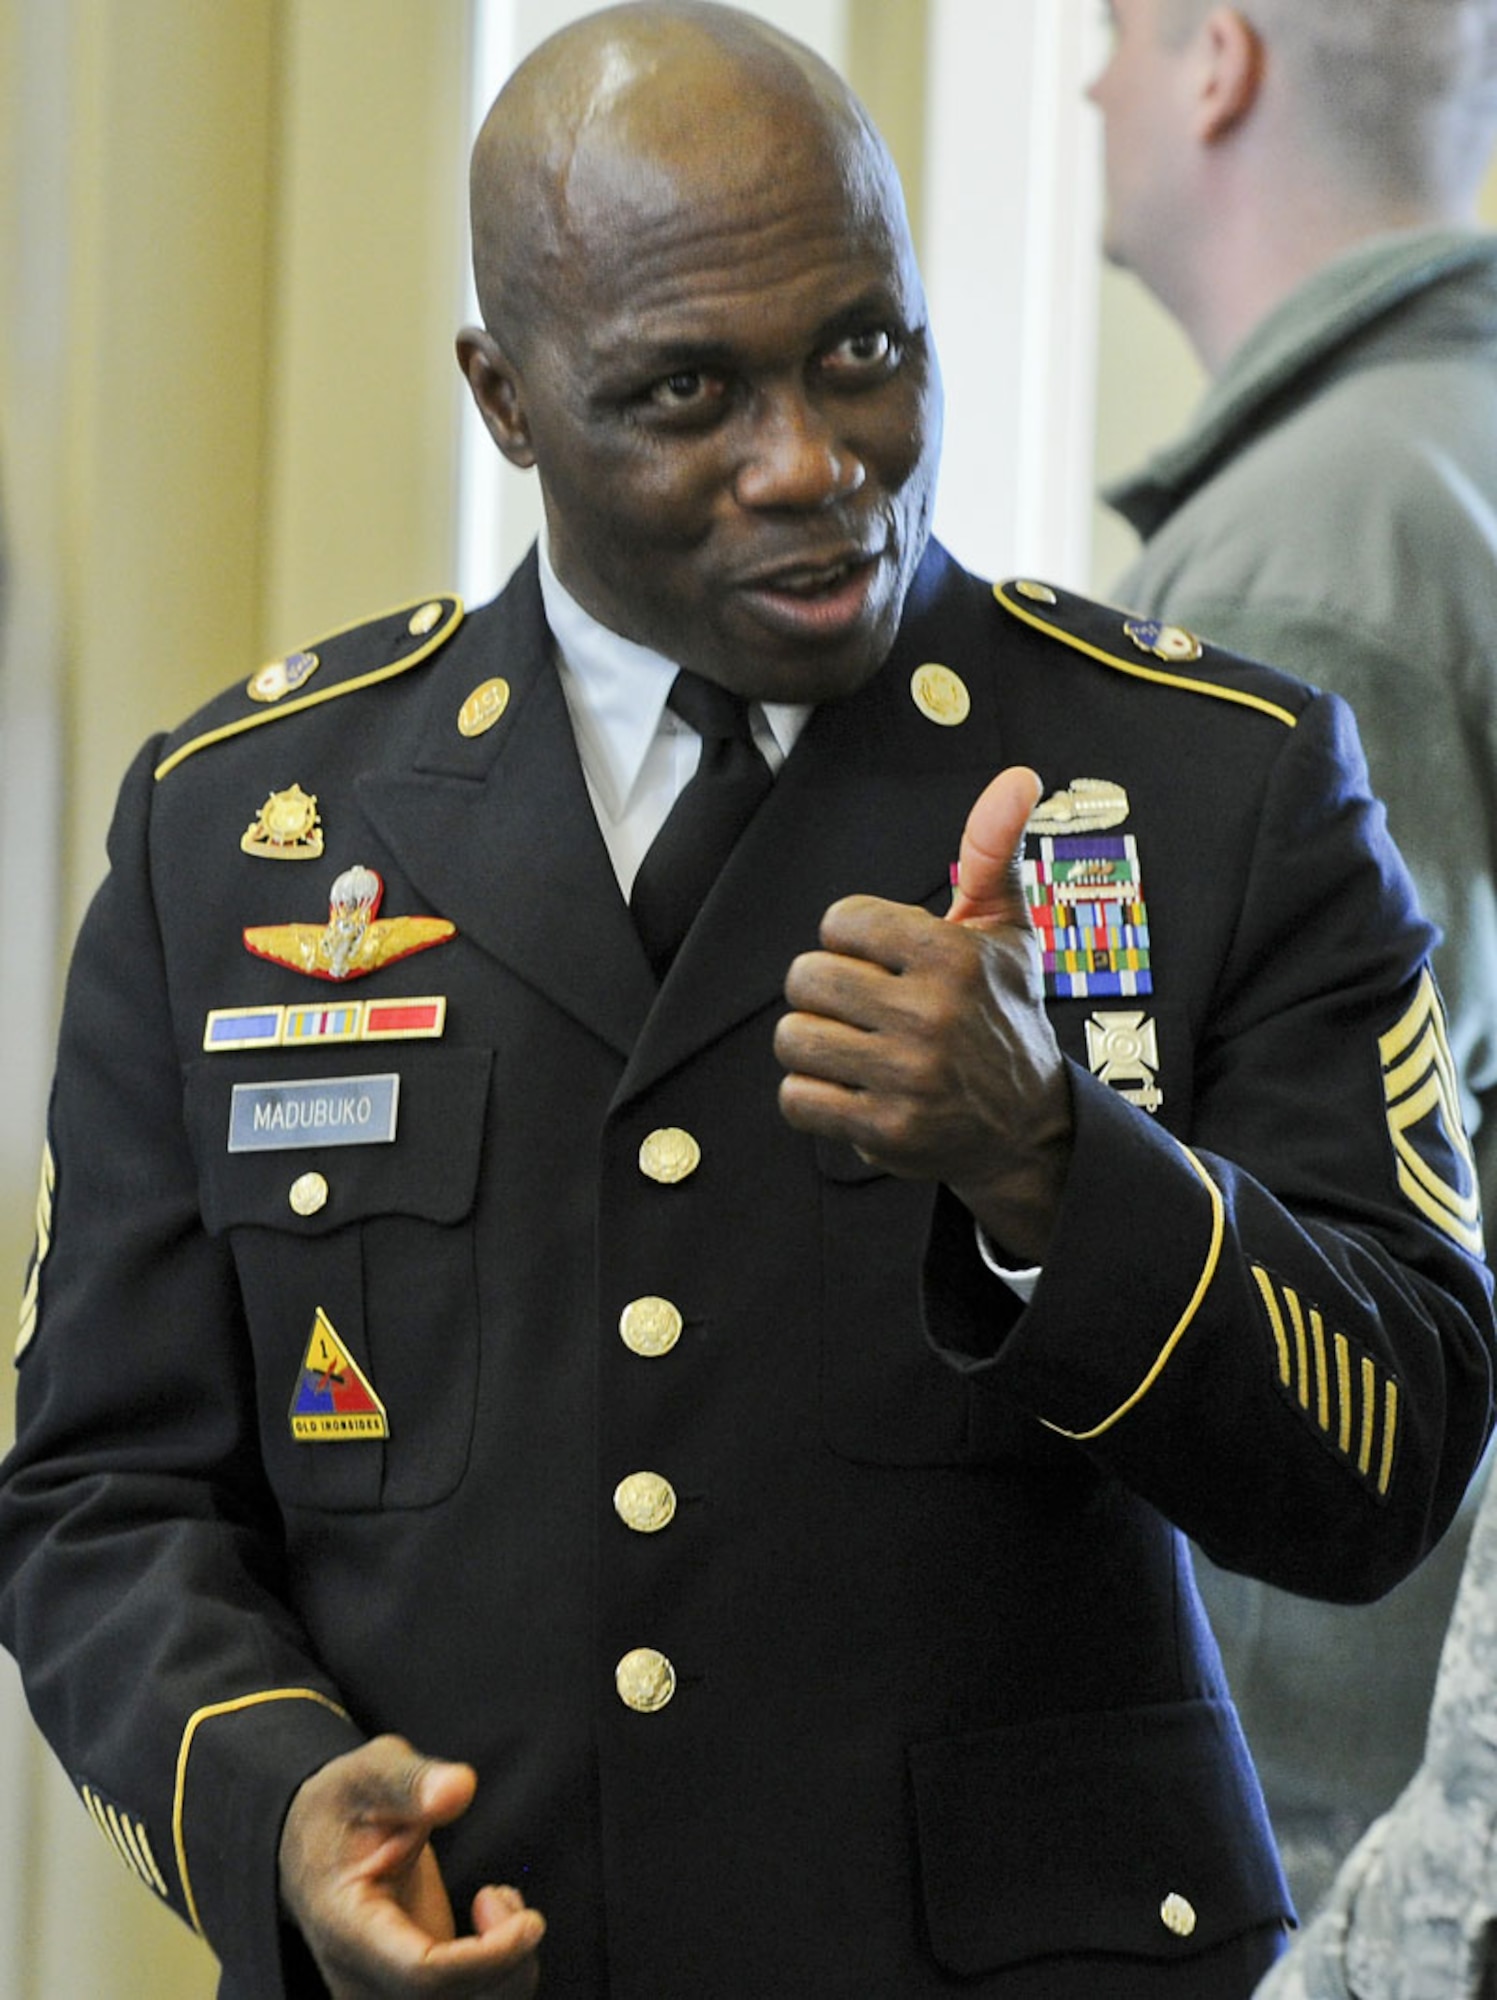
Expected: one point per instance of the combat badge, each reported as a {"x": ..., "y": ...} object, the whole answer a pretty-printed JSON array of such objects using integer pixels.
[
  {"x": 286, "y": 828},
  {"x": 355, "y": 940},
  {"x": 334, "y": 1401},
  {"x": 1086, "y": 805},
  {"x": 1086, "y": 901}
]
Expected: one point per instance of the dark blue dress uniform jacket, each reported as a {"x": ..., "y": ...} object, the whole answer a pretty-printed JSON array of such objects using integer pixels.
[{"x": 945, "y": 1716}]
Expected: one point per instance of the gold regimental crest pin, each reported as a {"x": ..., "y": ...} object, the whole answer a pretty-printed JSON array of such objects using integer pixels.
[
  {"x": 1170, "y": 643},
  {"x": 279, "y": 678},
  {"x": 286, "y": 828},
  {"x": 355, "y": 939}
]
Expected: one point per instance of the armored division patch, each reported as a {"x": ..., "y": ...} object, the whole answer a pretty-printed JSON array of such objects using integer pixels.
[
  {"x": 1085, "y": 897},
  {"x": 1432, "y": 1155},
  {"x": 355, "y": 940},
  {"x": 1345, "y": 1395},
  {"x": 334, "y": 1402}
]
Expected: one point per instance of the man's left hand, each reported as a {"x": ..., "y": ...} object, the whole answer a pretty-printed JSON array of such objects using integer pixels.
[{"x": 925, "y": 1044}]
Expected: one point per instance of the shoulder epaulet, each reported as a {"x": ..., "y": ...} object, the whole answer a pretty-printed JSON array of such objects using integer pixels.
[
  {"x": 1102, "y": 633},
  {"x": 352, "y": 657}
]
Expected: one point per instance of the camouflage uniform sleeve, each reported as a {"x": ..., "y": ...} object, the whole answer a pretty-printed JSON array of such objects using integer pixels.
[{"x": 1413, "y": 1913}]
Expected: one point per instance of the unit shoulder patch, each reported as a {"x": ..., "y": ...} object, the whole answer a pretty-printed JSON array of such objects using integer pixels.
[
  {"x": 1150, "y": 650},
  {"x": 342, "y": 663}
]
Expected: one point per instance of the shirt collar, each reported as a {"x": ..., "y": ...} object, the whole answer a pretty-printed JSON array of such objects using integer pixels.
[{"x": 616, "y": 692}]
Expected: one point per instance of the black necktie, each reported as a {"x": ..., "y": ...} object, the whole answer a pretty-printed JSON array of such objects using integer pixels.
[{"x": 702, "y": 826}]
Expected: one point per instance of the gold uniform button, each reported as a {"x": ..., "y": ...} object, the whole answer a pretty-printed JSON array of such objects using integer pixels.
[
  {"x": 1037, "y": 593},
  {"x": 645, "y": 1679},
  {"x": 940, "y": 695},
  {"x": 483, "y": 707},
  {"x": 427, "y": 619},
  {"x": 1177, "y": 1914},
  {"x": 645, "y": 1502},
  {"x": 650, "y": 1326},
  {"x": 308, "y": 1194},
  {"x": 669, "y": 1155}
]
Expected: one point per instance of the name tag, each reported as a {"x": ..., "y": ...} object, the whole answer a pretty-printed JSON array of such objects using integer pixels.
[{"x": 324, "y": 1111}]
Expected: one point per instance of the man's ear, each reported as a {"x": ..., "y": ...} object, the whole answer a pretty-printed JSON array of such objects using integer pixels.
[
  {"x": 1230, "y": 74},
  {"x": 495, "y": 384}
]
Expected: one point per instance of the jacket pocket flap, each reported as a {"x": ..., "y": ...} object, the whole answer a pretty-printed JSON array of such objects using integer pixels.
[
  {"x": 1138, "y": 1833},
  {"x": 428, "y": 1170}
]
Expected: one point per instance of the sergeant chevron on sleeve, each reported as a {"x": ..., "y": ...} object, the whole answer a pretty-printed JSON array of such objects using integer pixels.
[{"x": 663, "y": 1198}]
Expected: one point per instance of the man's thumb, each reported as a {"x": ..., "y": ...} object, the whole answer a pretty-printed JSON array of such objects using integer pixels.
[{"x": 988, "y": 885}]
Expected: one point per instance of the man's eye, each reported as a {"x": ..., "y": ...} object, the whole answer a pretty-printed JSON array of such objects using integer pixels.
[
  {"x": 686, "y": 389},
  {"x": 867, "y": 353}
]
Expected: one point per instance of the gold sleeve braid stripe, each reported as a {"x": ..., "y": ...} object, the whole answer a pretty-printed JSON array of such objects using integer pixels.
[
  {"x": 126, "y": 1836},
  {"x": 31, "y": 1294},
  {"x": 1424, "y": 1104},
  {"x": 195, "y": 1722},
  {"x": 431, "y": 642},
  {"x": 1345, "y": 1396},
  {"x": 1136, "y": 669},
  {"x": 1178, "y": 1331}
]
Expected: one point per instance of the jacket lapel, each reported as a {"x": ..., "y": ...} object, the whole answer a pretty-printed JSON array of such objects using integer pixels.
[
  {"x": 499, "y": 833},
  {"x": 872, "y": 800}
]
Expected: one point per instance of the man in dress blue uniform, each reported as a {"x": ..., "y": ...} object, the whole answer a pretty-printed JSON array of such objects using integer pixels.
[{"x": 737, "y": 1446}]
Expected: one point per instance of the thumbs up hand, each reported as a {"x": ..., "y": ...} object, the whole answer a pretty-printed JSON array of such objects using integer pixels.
[{"x": 924, "y": 1042}]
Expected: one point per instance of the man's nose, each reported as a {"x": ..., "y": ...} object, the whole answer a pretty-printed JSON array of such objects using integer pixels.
[{"x": 795, "y": 458}]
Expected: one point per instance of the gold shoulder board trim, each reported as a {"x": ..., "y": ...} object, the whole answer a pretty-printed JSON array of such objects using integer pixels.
[
  {"x": 432, "y": 642},
  {"x": 203, "y": 1715},
  {"x": 1136, "y": 668}
]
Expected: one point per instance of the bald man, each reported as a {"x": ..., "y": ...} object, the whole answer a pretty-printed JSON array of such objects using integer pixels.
[
  {"x": 1298, "y": 185},
  {"x": 653, "y": 1357}
]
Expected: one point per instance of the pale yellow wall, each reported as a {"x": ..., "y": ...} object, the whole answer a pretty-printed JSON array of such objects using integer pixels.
[
  {"x": 366, "y": 390},
  {"x": 227, "y": 292}
]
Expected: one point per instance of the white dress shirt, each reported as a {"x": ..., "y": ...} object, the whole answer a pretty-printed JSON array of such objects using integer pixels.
[{"x": 637, "y": 754}]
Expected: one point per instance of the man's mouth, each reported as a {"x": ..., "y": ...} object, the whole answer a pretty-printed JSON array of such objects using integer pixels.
[{"x": 814, "y": 600}]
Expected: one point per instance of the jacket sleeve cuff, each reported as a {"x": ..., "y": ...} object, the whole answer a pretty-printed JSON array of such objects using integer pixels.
[{"x": 238, "y": 1768}]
